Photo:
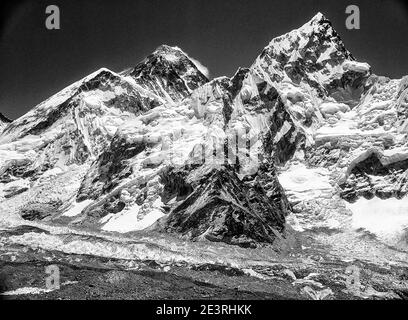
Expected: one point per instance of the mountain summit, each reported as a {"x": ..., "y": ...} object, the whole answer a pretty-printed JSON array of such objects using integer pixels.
[
  {"x": 169, "y": 73},
  {"x": 301, "y": 140}
]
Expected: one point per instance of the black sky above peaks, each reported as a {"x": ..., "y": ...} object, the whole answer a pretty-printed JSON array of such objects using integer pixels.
[{"x": 222, "y": 34}]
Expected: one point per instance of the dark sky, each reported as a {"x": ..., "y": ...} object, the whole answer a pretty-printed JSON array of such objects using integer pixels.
[{"x": 223, "y": 34}]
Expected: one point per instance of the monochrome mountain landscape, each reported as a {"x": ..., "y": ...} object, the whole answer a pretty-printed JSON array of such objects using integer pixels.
[{"x": 270, "y": 184}]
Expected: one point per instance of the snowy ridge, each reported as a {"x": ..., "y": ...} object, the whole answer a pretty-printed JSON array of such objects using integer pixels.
[
  {"x": 306, "y": 131},
  {"x": 169, "y": 73}
]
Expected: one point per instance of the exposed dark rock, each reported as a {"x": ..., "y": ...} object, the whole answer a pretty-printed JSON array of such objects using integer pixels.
[
  {"x": 402, "y": 100},
  {"x": 175, "y": 185},
  {"x": 223, "y": 208},
  {"x": 349, "y": 88},
  {"x": 286, "y": 146},
  {"x": 370, "y": 178},
  {"x": 39, "y": 211},
  {"x": 307, "y": 63},
  {"x": 168, "y": 68},
  {"x": 14, "y": 192},
  {"x": 235, "y": 84},
  {"x": 4, "y": 119},
  {"x": 109, "y": 168},
  {"x": 269, "y": 95}
]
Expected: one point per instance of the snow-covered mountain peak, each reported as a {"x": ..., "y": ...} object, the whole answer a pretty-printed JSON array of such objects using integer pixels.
[
  {"x": 171, "y": 53},
  {"x": 169, "y": 73},
  {"x": 318, "y": 17},
  {"x": 313, "y": 54}
]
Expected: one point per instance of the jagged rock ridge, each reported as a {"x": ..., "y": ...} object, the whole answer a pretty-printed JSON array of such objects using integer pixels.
[{"x": 160, "y": 146}]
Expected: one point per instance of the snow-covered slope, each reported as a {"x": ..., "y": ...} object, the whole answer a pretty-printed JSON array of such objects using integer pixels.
[
  {"x": 169, "y": 73},
  {"x": 73, "y": 126},
  {"x": 304, "y": 131}
]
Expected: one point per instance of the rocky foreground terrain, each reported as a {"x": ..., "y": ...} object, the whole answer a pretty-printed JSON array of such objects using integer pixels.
[{"x": 275, "y": 183}]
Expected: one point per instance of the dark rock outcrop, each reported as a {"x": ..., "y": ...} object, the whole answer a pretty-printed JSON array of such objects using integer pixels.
[
  {"x": 371, "y": 177},
  {"x": 221, "y": 207},
  {"x": 168, "y": 72}
]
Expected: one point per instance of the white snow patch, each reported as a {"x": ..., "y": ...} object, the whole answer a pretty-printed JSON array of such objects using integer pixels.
[
  {"x": 77, "y": 208},
  {"x": 202, "y": 68},
  {"x": 329, "y": 108},
  {"x": 356, "y": 66},
  {"x": 388, "y": 219},
  {"x": 26, "y": 290},
  {"x": 129, "y": 221},
  {"x": 32, "y": 290},
  {"x": 299, "y": 178}
]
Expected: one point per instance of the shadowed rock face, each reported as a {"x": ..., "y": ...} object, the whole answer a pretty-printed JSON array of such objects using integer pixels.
[
  {"x": 4, "y": 121},
  {"x": 402, "y": 100},
  {"x": 168, "y": 72},
  {"x": 110, "y": 168},
  {"x": 371, "y": 178},
  {"x": 282, "y": 150},
  {"x": 218, "y": 206},
  {"x": 349, "y": 88}
]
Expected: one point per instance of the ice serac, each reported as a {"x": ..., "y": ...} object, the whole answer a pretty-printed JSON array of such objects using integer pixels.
[
  {"x": 306, "y": 134},
  {"x": 169, "y": 73}
]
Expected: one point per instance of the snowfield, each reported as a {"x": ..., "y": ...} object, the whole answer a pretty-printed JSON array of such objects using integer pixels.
[{"x": 387, "y": 219}]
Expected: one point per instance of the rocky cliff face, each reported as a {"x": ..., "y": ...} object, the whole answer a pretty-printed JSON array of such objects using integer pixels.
[
  {"x": 301, "y": 135},
  {"x": 215, "y": 204}
]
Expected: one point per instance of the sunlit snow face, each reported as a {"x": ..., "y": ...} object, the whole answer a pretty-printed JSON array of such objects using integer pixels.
[{"x": 388, "y": 219}]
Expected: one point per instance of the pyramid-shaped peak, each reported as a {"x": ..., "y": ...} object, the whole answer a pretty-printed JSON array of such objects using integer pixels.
[
  {"x": 169, "y": 53},
  {"x": 168, "y": 72},
  {"x": 318, "y": 31},
  {"x": 317, "y": 23},
  {"x": 165, "y": 56},
  {"x": 313, "y": 51},
  {"x": 318, "y": 17},
  {"x": 163, "y": 48}
]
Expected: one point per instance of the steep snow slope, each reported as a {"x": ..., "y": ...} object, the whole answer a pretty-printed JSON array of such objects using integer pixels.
[
  {"x": 160, "y": 146},
  {"x": 314, "y": 58},
  {"x": 187, "y": 137},
  {"x": 118, "y": 177},
  {"x": 63, "y": 135},
  {"x": 328, "y": 115},
  {"x": 72, "y": 127}
]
